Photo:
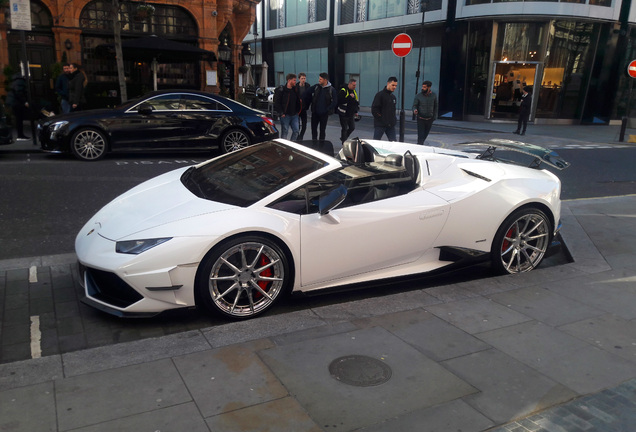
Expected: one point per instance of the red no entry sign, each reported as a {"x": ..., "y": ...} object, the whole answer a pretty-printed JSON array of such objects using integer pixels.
[
  {"x": 631, "y": 69},
  {"x": 402, "y": 45}
]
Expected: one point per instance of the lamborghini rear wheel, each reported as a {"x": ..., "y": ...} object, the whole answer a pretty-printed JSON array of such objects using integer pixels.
[
  {"x": 521, "y": 241},
  {"x": 244, "y": 277}
]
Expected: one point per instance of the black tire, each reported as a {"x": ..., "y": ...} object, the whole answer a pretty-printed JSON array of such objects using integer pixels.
[
  {"x": 233, "y": 140},
  {"x": 89, "y": 144},
  {"x": 243, "y": 277},
  {"x": 521, "y": 241}
]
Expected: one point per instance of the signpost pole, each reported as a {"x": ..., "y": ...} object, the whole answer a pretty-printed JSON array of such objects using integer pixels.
[{"x": 402, "y": 114}]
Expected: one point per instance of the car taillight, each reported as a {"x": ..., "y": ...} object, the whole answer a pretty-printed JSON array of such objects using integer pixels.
[{"x": 268, "y": 120}]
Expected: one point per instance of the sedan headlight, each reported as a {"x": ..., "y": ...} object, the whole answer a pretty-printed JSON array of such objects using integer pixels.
[
  {"x": 135, "y": 247},
  {"x": 58, "y": 125}
]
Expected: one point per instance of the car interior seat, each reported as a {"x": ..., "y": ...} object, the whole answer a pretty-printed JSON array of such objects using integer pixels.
[
  {"x": 412, "y": 166},
  {"x": 356, "y": 151}
]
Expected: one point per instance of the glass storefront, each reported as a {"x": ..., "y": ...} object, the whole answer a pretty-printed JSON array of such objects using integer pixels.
[{"x": 553, "y": 58}]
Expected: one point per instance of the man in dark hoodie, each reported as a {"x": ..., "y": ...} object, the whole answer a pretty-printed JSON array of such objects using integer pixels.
[
  {"x": 18, "y": 100},
  {"x": 75, "y": 87},
  {"x": 383, "y": 108},
  {"x": 287, "y": 104},
  {"x": 323, "y": 100}
]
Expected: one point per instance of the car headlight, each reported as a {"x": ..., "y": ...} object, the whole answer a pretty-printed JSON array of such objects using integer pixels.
[
  {"x": 135, "y": 247},
  {"x": 58, "y": 125}
]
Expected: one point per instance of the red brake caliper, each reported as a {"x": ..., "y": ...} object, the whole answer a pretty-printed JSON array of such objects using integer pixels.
[
  {"x": 506, "y": 243},
  {"x": 263, "y": 261}
]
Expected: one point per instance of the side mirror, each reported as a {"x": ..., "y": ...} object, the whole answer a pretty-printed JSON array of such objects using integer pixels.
[
  {"x": 331, "y": 199},
  {"x": 145, "y": 109}
]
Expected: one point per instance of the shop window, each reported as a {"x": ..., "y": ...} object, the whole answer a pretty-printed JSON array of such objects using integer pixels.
[{"x": 567, "y": 68}]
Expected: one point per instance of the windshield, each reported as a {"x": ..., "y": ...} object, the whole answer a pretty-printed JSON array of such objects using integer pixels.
[{"x": 244, "y": 177}]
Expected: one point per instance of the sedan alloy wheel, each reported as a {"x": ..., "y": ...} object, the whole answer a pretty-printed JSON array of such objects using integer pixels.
[
  {"x": 89, "y": 145},
  {"x": 234, "y": 140}
]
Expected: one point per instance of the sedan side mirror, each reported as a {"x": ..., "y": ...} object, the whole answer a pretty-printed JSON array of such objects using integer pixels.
[
  {"x": 331, "y": 199},
  {"x": 145, "y": 109}
]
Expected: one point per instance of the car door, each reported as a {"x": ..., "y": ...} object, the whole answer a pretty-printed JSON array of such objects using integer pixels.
[
  {"x": 200, "y": 116},
  {"x": 372, "y": 236},
  {"x": 154, "y": 123}
]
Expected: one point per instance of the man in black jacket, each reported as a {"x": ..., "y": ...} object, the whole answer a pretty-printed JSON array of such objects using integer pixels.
[
  {"x": 287, "y": 104},
  {"x": 524, "y": 111},
  {"x": 75, "y": 87},
  {"x": 383, "y": 109},
  {"x": 323, "y": 100},
  {"x": 303, "y": 86},
  {"x": 347, "y": 108},
  {"x": 18, "y": 100}
]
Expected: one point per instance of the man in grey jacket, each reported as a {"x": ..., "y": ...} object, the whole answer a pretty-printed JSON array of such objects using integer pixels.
[{"x": 425, "y": 108}]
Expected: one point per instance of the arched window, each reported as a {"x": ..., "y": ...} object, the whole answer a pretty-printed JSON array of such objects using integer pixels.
[
  {"x": 41, "y": 18},
  {"x": 168, "y": 21}
]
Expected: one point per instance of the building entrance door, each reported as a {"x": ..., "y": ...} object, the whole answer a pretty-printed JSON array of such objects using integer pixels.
[
  {"x": 40, "y": 55},
  {"x": 508, "y": 79}
]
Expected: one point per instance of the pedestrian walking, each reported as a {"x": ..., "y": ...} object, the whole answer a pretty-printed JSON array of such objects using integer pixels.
[
  {"x": 383, "y": 108},
  {"x": 524, "y": 111},
  {"x": 288, "y": 104},
  {"x": 76, "y": 87},
  {"x": 17, "y": 99},
  {"x": 425, "y": 109},
  {"x": 348, "y": 105},
  {"x": 303, "y": 86},
  {"x": 323, "y": 100},
  {"x": 62, "y": 89}
]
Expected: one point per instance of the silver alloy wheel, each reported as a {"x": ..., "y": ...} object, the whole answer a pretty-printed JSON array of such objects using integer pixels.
[
  {"x": 235, "y": 140},
  {"x": 524, "y": 241},
  {"x": 89, "y": 145},
  {"x": 246, "y": 279}
]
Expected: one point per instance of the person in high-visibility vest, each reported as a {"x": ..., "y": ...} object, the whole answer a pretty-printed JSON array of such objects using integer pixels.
[{"x": 348, "y": 105}]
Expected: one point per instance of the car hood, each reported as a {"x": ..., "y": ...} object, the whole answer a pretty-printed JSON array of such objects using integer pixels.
[
  {"x": 159, "y": 201},
  {"x": 98, "y": 113}
]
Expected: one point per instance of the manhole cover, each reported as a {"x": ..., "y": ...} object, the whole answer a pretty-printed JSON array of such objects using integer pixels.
[{"x": 359, "y": 370}]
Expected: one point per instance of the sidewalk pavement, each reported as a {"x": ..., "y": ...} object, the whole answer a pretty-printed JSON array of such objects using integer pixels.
[{"x": 551, "y": 350}]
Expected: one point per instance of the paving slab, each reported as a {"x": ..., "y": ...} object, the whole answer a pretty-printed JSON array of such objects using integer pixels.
[
  {"x": 416, "y": 381},
  {"x": 452, "y": 416},
  {"x": 262, "y": 327},
  {"x": 29, "y": 408},
  {"x": 434, "y": 337},
  {"x": 184, "y": 417},
  {"x": 28, "y": 372},
  {"x": 609, "y": 332},
  {"x": 612, "y": 291},
  {"x": 281, "y": 415},
  {"x": 130, "y": 353},
  {"x": 508, "y": 388},
  {"x": 229, "y": 378},
  {"x": 90, "y": 399},
  {"x": 546, "y": 306},
  {"x": 477, "y": 315}
]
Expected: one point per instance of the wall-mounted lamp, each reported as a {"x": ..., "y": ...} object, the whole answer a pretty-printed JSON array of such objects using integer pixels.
[
  {"x": 247, "y": 53},
  {"x": 225, "y": 52},
  {"x": 68, "y": 44}
]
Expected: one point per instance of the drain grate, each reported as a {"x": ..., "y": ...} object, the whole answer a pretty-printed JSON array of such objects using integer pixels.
[{"x": 360, "y": 371}]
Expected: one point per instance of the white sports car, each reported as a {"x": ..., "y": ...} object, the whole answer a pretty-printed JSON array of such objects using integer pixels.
[{"x": 237, "y": 232}]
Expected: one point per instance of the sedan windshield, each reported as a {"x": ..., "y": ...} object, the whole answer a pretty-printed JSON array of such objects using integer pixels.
[{"x": 249, "y": 175}]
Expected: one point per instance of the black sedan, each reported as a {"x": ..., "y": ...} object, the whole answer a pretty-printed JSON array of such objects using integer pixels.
[{"x": 161, "y": 120}]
